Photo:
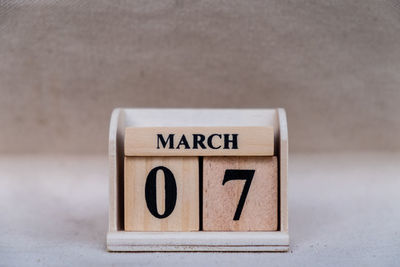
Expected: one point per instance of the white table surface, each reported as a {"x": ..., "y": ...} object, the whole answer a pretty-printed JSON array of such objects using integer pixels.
[{"x": 344, "y": 210}]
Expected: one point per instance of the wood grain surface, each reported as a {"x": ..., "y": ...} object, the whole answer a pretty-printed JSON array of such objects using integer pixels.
[
  {"x": 185, "y": 215},
  {"x": 260, "y": 210},
  {"x": 199, "y": 141}
]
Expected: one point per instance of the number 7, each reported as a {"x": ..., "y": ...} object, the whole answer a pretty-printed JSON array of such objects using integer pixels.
[{"x": 239, "y": 175}]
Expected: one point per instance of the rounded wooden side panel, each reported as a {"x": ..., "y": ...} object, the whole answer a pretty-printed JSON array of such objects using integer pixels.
[{"x": 283, "y": 169}]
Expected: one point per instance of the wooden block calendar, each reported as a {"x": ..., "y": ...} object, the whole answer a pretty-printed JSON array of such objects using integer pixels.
[{"x": 198, "y": 180}]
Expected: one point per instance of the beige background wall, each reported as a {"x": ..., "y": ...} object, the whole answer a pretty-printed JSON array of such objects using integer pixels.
[{"x": 334, "y": 66}]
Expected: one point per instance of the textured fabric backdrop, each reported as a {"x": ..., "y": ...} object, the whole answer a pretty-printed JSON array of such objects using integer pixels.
[{"x": 334, "y": 66}]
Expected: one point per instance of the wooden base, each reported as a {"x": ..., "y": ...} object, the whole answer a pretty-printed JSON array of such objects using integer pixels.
[{"x": 198, "y": 241}]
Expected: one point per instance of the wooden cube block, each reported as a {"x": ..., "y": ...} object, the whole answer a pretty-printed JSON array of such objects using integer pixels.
[
  {"x": 161, "y": 194},
  {"x": 240, "y": 194}
]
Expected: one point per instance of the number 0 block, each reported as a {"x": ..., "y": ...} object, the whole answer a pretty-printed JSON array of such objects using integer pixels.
[
  {"x": 240, "y": 194},
  {"x": 161, "y": 194}
]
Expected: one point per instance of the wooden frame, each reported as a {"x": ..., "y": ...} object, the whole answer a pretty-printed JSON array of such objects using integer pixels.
[{"x": 119, "y": 240}]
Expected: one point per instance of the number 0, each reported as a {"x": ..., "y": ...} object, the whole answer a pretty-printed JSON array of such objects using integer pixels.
[
  {"x": 240, "y": 175},
  {"x": 151, "y": 192}
]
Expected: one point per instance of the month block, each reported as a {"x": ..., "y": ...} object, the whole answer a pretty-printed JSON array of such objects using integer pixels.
[
  {"x": 161, "y": 194},
  {"x": 199, "y": 141},
  {"x": 240, "y": 194}
]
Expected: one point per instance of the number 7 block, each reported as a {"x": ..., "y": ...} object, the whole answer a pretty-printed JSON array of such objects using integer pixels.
[{"x": 240, "y": 194}]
